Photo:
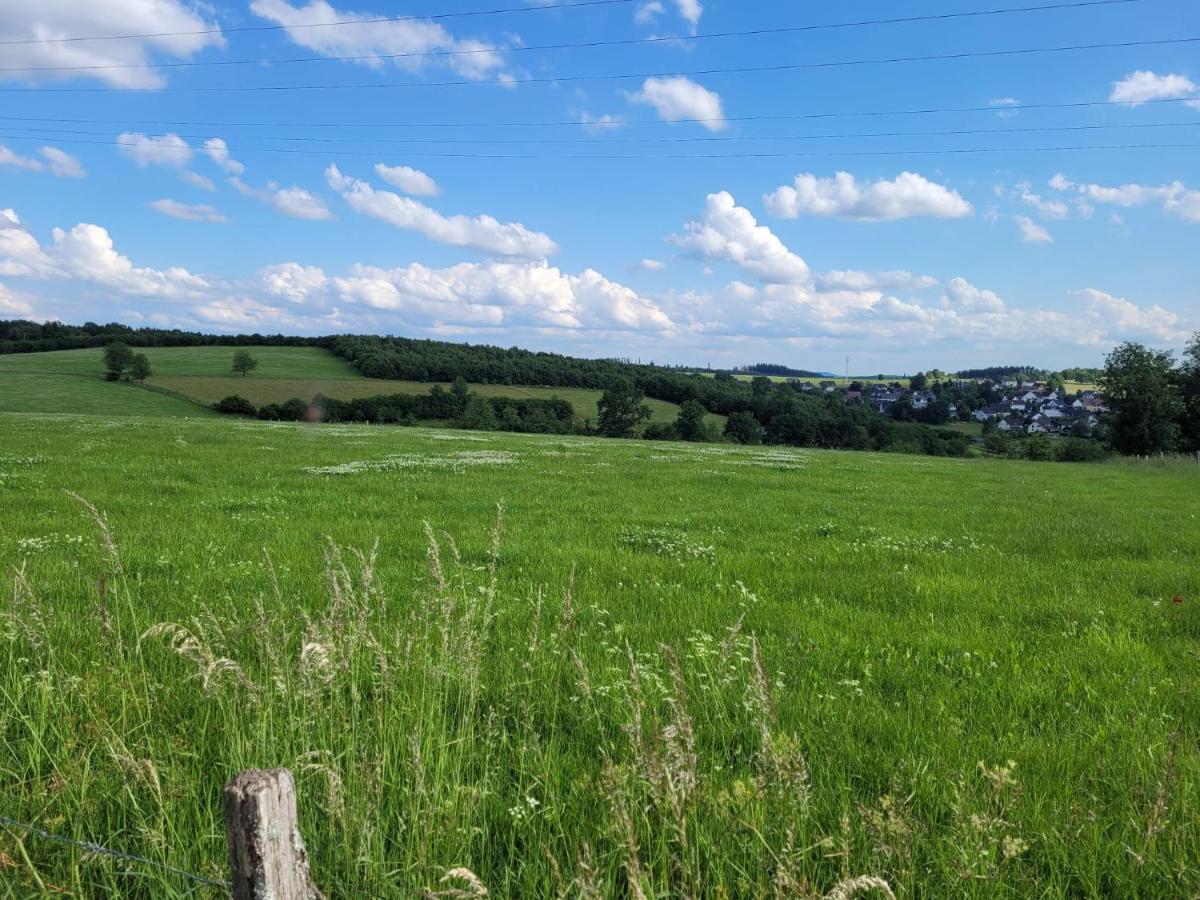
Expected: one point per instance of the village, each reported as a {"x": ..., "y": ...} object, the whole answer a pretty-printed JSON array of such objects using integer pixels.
[{"x": 1009, "y": 405}]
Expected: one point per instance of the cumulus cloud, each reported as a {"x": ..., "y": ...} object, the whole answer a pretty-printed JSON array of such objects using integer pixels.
[
  {"x": 411, "y": 181},
  {"x": 168, "y": 150},
  {"x": 218, "y": 151},
  {"x": 963, "y": 296},
  {"x": 907, "y": 196},
  {"x": 200, "y": 212},
  {"x": 652, "y": 265},
  {"x": 86, "y": 253},
  {"x": 59, "y": 18},
  {"x": 292, "y": 281},
  {"x": 730, "y": 233},
  {"x": 484, "y": 295},
  {"x": 1031, "y": 232},
  {"x": 13, "y": 305},
  {"x": 1175, "y": 198},
  {"x": 482, "y": 233},
  {"x": 677, "y": 98},
  {"x": 293, "y": 201},
  {"x": 1143, "y": 86},
  {"x": 57, "y": 162},
  {"x": 1126, "y": 318},
  {"x": 378, "y": 44}
]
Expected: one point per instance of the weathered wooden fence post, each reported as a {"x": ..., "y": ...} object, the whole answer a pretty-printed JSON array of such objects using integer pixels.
[{"x": 267, "y": 859}]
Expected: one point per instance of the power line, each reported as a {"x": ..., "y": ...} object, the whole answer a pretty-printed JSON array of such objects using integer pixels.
[
  {"x": 954, "y": 132},
  {"x": 1014, "y": 107},
  {"x": 657, "y": 157},
  {"x": 249, "y": 28},
  {"x": 780, "y": 67},
  {"x": 620, "y": 42}
]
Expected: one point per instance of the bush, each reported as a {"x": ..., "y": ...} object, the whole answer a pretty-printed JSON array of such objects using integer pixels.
[
  {"x": 236, "y": 406},
  {"x": 660, "y": 431}
]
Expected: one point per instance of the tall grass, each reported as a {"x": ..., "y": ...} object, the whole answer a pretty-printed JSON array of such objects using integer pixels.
[{"x": 869, "y": 712}]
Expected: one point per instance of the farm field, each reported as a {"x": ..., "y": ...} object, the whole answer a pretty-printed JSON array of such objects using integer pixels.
[
  {"x": 48, "y": 382},
  {"x": 675, "y": 670}
]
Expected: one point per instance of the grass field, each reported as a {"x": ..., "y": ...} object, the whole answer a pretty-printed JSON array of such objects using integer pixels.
[
  {"x": 70, "y": 381},
  {"x": 681, "y": 670}
]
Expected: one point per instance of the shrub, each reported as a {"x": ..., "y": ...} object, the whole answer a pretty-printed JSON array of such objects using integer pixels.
[{"x": 236, "y": 406}]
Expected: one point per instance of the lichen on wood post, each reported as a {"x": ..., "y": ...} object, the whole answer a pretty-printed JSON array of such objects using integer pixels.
[{"x": 267, "y": 859}]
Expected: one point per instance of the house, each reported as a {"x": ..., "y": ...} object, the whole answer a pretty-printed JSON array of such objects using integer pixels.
[
  {"x": 1013, "y": 424},
  {"x": 1043, "y": 426}
]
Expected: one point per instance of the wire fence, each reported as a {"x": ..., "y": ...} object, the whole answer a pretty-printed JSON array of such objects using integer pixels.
[{"x": 106, "y": 851}]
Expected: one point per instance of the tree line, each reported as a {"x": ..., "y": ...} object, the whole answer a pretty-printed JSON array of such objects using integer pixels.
[
  {"x": 1154, "y": 403},
  {"x": 23, "y": 336},
  {"x": 458, "y": 406}
]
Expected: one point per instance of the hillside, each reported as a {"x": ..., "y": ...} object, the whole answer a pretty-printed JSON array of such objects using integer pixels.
[{"x": 68, "y": 381}]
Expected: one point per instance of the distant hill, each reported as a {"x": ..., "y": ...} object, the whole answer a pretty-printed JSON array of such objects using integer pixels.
[{"x": 780, "y": 371}]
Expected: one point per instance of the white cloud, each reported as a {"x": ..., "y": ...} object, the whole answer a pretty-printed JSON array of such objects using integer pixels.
[
  {"x": 86, "y": 253},
  {"x": 1176, "y": 199},
  {"x": 600, "y": 124},
  {"x": 196, "y": 180},
  {"x": 165, "y": 150},
  {"x": 292, "y": 281},
  {"x": 965, "y": 297},
  {"x": 730, "y": 233},
  {"x": 20, "y": 253},
  {"x": 482, "y": 233},
  {"x": 690, "y": 11},
  {"x": 483, "y": 295},
  {"x": 1051, "y": 209},
  {"x": 62, "y": 164},
  {"x": 1130, "y": 320},
  {"x": 1004, "y": 107},
  {"x": 1031, "y": 232},
  {"x": 293, "y": 201},
  {"x": 1142, "y": 86},
  {"x": 411, "y": 181},
  {"x": 15, "y": 161},
  {"x": 1185, "y": 205},
  {"x": 380, "y": 43},
  {"x": 218, "y": 151},
  {"x": 200, "y": 212},
  {"x": 854, "y": 280},
  {"x": 58, "y": 162},
  {"x": 652, "y": 265},
  {"x": 677, "y": 98},
  {"x": 647, "y": 13},
  {"x": 13, "y": 305},
  {"x": 45, "y": 19},
  {"x": 906, "y": 196}
]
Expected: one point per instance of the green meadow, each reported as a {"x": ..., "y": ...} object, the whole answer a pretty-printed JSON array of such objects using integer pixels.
[
  {"x": 666, "y": 670},
  {"x": 185, "y": 379}
]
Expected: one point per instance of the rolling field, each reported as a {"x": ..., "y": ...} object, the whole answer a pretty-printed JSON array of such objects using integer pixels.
[
  {"x": 675, "y": 670},
  {"x": 71, "y": 381}
]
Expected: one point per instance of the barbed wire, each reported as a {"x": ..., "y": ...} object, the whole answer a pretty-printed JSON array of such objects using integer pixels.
[{"x": 106, "y": 851}]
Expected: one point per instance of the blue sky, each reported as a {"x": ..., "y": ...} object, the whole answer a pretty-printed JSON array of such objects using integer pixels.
[{"x": 400, "y": 203}]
